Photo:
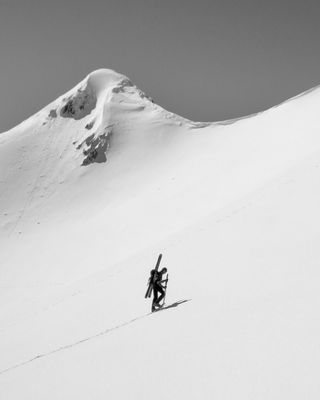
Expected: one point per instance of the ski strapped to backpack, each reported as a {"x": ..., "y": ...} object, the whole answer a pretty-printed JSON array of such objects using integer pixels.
[{"x": 152, "y": 278}]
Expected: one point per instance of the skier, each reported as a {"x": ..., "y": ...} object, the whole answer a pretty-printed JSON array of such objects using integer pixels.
[{"x": 157, "y": 280}]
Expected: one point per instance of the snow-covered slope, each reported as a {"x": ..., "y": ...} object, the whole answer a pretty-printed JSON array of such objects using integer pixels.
[{"x": 99, "y": 182}]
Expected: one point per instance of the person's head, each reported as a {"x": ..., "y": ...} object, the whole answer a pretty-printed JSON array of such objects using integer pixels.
[{"x": 164, "y": 270}]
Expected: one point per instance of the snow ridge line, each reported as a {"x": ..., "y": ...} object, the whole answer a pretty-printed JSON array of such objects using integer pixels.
[{"x": 69, "y": 346}]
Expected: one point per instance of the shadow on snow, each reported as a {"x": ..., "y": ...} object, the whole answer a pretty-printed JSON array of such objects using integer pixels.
[{"x": 173, "y": 305}]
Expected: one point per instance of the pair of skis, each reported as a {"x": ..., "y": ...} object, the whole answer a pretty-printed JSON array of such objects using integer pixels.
[{"x": 151, "y": 280}]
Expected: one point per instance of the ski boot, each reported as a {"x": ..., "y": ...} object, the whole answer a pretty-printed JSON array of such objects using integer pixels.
[{"x": 155, "y": 307}]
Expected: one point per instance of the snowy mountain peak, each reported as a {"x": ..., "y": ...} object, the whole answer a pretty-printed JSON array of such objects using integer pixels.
[
  {"x": 87, "y": 114},
  {"x": 95, "y": 91},
  {"x": 103, "y": 78}
]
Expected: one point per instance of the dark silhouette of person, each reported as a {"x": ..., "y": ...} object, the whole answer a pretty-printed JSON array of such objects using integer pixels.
[{"x": 157, "y": 279}]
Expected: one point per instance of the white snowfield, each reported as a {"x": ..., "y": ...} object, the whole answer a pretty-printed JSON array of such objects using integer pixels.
[{"x": 97, "y": 184}]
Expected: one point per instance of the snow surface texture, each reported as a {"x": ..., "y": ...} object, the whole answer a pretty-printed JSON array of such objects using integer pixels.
[{"x": 99, "y": 182}]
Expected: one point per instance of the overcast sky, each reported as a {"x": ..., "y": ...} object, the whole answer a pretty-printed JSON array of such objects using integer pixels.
[{"x": 205, "y": 60}]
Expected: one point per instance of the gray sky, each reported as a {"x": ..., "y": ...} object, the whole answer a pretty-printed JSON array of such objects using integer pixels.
[{"x": 203, "y": 59}]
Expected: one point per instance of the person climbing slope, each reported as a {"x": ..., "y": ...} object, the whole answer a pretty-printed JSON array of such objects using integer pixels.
[{"x": 157, "y": 287}]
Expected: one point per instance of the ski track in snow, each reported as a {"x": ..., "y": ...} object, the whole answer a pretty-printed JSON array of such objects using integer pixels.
[
  {"x": 89, "y": 338},
  {"x": 69, "y": 346}
]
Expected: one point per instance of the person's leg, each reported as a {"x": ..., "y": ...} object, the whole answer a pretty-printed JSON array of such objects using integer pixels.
[
  {"x": 155, "y": 297},
  {"x": 162, "y": 294}
]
